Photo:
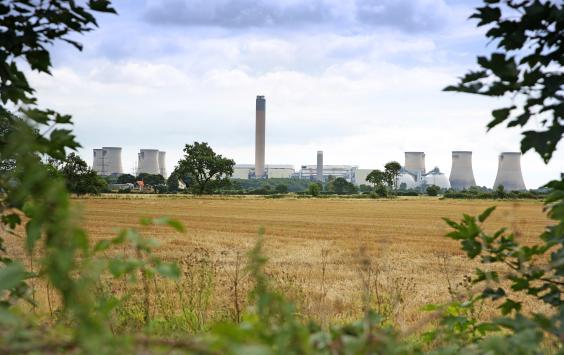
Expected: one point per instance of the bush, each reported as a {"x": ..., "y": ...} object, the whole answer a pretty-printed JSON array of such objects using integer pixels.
[
  {"x": 433, "y": 190},
  {"x": 314, "y": 189}
]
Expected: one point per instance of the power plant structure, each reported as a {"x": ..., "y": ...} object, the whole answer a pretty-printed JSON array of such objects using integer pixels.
[
  {"x": 509, "y": 172},
  {"x": 319, "y": 165},
  {"x": 413, "y": 173},
  {"x": 148, "y": 162},
  {"x": 461, "y": 173},
  {"x": 107, "y": 161},
  {"x": 162, "y": 163},
  {"x": 260, "y": 124}
]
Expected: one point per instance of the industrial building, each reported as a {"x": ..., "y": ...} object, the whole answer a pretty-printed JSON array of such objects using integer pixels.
[
  {"x": 107, "y": 161},
  {"x": 162, "y": 164},
  {"x": 509, "y": 172},
  {"x": 461, "y": 173},
  {"x": 311, "y": 172},
  {"x": 414, "y": 175},
  {"x": 247, "y": 171},
  {"x": 148, "y": 162}
]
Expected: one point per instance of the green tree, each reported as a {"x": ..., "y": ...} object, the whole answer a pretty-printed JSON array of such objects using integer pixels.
[
  {"x": 433, "y": 190},
  {"x": 376, "y": 177},
  {"x": 314, "y": 189},
  {"x": 79, "y": 178},
  {"x": 126, "y": 179},
  {"x": 342, "y": 186},
  {"x": 527, "y": 66},
  {"x": 281, "y": 189},
  {"x": 209, "y": 171},
  {"x": 392, "y": 170},
  {"x": 153, "y": 180}
]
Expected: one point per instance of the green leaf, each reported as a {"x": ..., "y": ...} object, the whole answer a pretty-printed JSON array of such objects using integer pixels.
[
  {"x": 510, "y": 305},
  {"x": 33, "y": 233},
  {"x": 39, "y": 60},
  {"x": 484, "y": 215},
  {"x": 170, "y": 270},
  {"x": 499, "y": 116},
  {"x": 11, "y": 276}
]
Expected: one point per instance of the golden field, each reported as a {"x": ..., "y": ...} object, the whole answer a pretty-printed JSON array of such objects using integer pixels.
[{"x": 325, "y": 254}]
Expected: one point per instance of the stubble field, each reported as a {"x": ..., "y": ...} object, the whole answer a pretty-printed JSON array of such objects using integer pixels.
[{"x": 325, "y": 254}]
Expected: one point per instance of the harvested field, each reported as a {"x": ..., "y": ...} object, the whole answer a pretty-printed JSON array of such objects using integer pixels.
[{"x": 324, "y": 253}]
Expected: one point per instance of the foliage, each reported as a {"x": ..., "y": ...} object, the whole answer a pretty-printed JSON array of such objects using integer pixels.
[
  {"x": 314, "y": 189},
  {"x": 341, "y": 186},
  {"x": 391, "y": 171},
  {"x": 209, "y": 171},
  {"x": 79, "y": 178},
  {"x": 376, "y": 177},
  {"x": 281, "y": 189},
  {"x": 126, "y": 179},
  {"x": 152, "y": 179},
  {"x": 528, "y": 67},
  {"x": 433, "y": 190}
]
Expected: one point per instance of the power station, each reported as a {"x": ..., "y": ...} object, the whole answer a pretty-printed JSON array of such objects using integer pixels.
[
  {"x": 509, "y": 172},
  {"x": 260, "y": 123},
  {"x": 413, "y": 174},
  {"x": 461, "y": 173},
  {"x": 107, "y": 161}
]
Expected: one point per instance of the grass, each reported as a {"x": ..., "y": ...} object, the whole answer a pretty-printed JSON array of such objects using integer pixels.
[{"x": 331, "y": 256}]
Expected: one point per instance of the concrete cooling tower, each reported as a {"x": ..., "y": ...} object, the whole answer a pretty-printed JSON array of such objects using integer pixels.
[
  {"x": 415, "y": 162},
  {"x": 259, "y": 136},
  {"x": 112, "y": 160},
  {"x": 98, "y": 161},
  {"x": 107, "y": 161},
  {"x": 162, "y": 163},
  {"x": 319, "y": 171},
  {"x": 148, "y": 162},
  {"x": 461, "y": 173},
  {"x": 509, "y": 172}
]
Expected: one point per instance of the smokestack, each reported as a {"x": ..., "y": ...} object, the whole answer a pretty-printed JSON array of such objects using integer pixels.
[
  {"x": 461, "y": 173},
  {"x": 259, "y": 136},
  {"x": 319, "y": 165},
  {"x": 112, "y": 160},
  {"x": 509, "y": 172},
  {"x": 148, "y": 162},
  {"x": 415, "y": 162},
  {"x": 162, "y": 164}
]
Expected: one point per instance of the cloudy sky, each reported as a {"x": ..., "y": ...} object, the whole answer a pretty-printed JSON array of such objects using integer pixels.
[{"x": 359, "y": 79}]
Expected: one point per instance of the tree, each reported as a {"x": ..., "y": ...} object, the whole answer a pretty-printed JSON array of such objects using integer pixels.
[
  {"x": 376, "y": 177},
  {"x": 392, "y": 170},
  {"x": 79, "y": 178},
  {"x": 342, "y": 186},
  {"x": 153, "y": 180},
  {"x": 126, "y": 179},
  {"x": 527, "y": 67},
  {"x": 433, "y": 190},
  {"x": 314, "y": 189},
  {"x": 208, "y": 170},
  {"x": 281, "y": 189}
]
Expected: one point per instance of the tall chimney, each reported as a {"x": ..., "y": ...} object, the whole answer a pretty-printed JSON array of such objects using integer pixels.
[
  {"x": 319, "y": 165},
  {"x": 509, "y": 172},
  {"x": 259, "y": 136}
]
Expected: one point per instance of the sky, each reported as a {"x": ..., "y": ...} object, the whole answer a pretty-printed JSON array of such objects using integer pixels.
[{"x": 361, "y": 80}]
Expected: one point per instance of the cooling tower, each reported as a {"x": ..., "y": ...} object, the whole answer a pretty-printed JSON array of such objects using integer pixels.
[
  {"x": 162, "y": 163},
  {"x": 112, "y": 161},
  {"x": 259, "y": 136},
  {"x": 148, "y": 162},
  {"x": 319, "y": 165},
  {"x": 415, "y": 162},
  {"x": 98, "y": 161},
  {"x": 461, "y": 173},
  {"x": 509, "y": 172}
]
